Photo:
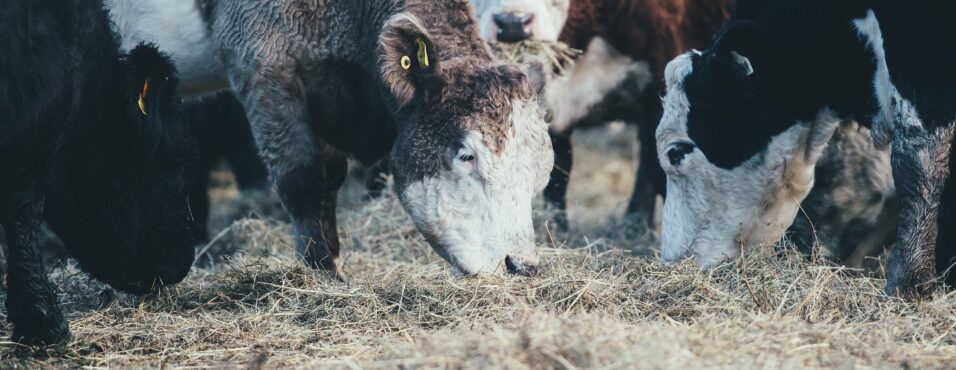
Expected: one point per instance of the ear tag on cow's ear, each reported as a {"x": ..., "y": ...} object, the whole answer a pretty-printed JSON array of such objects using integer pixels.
[
  {"x": 422, "y": 53},
  {"x": 406, "y": 62},
  {"x": 142, "y": 96}
]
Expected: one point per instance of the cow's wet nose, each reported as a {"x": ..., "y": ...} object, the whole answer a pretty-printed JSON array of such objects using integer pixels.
[
  {"x": 520, "y": 266},
  {"x": 677, "y": 151},
  {"x": 514, "y": 26}
]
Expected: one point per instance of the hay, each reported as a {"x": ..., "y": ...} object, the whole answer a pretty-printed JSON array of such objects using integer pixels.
[
  {"x": 556, "y": 57},
  {"x": 594, "y": 305}
]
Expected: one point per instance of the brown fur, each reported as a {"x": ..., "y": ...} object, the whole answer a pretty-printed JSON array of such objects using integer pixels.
[
  {"x": 455, "y": 84},
  {"x": 652, "y": 30}
]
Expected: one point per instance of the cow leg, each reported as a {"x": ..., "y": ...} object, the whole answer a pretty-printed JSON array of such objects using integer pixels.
[
  {"x": 199, "y": 200},
  {"x": 376, "y": 181},
  {"x": 557, "y": 190},
  {"x": 306, "y": 172},
  {"x": 240, "y": 150},
  {"x": 946, "y": 242},
  {"x": 920, "y": 169},
  {"x": 31, "y": 298},
  {"x": 309, "y": 194},
  {"x": 650, "y": 180}
]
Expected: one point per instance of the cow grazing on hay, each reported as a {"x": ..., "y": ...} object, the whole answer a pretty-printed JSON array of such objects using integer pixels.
[
  {"x": 848, "y": 214},
  {"x": 746, "y": 121},
  {"x": 410, "y": 79},
  {"x": 94, "y": 142}
]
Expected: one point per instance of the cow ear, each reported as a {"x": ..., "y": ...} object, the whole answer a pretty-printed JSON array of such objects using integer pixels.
[
  {"x": 737, "y": 46},
  {"x": 150, "y": 93},
  {"x": 408, "y": 59},
  {"x": 151, "y": 81}
]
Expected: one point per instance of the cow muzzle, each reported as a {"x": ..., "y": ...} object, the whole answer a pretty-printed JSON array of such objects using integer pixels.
[{"x": 514, "y": 26}]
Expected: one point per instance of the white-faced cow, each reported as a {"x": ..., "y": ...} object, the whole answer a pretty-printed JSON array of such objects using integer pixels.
[
  {"x": 94, "y": 141},
  {"x": 411, "y": 79},
  {"x": 746, "y": 121}
]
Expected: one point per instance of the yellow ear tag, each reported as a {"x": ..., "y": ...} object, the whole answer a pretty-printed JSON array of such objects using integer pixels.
[
  {"x": 142, "y": 95},
  {"x": 422, "y": 53},
  {"x": 406, "y": 62}
]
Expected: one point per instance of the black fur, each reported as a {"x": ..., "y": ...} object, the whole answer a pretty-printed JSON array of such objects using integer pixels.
[
  {"x": 805, "y": 55},
  {"x": 75, "y": 149}
]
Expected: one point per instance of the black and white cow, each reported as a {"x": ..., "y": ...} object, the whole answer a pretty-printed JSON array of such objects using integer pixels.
[
  {"x": 746, "y": 121},
  {"x": 93, "y": 141},
  {"x": 408, "y": 79}
]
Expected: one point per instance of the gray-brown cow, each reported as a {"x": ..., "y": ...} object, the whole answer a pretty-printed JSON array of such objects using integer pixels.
[{"x": 411, "y": 79}]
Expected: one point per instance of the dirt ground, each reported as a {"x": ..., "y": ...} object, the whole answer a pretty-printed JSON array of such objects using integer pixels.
[{"x": 601, "y": 301}]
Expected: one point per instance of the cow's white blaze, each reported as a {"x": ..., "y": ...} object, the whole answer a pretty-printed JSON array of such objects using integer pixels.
[
  {"x": 494, "y": 189},
  {"x": 712, "y": 213}
]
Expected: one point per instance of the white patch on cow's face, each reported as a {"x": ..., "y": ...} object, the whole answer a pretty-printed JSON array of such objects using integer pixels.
[
  {"x": 892, "y": 104},
  {"x": 479, "y": 212},
  {"x": 549, "y": 16},
  {"x": 599, "y": 71},
  {"x": 712, "y": 213},
  {"x": 178, "y": 29}
]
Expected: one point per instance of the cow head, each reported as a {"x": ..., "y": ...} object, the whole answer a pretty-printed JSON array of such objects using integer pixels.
[
  {"x": 472, "y": 151},
  {"x": 737, "y": 165},
  {"x": 122, "y": 206},
  {"x": 519, "y": 20}
]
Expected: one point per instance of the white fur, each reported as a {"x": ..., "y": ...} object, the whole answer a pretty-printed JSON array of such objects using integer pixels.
[
  {"x": 549, "y": 16},
  {"x": 711, "y": 213},
  {"x": 177, "y": 28},
  {"x": 495, "y": 191},
  {"x": 599, "y": 71}
]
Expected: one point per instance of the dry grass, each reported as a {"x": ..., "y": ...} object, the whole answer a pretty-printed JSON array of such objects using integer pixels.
[{"x": 594, "y": 305}]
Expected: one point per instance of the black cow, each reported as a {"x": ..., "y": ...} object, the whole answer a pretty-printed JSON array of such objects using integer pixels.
[
  {"x": 95, "y": 142},
  {"x": 746, "y": 121}
]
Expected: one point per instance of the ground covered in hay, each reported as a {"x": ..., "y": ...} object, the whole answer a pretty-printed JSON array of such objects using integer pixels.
[{"x": 600, "y": 301}]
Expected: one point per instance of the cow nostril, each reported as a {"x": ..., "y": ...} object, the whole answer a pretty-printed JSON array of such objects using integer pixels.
[
  {"x": 513, "y": 26},
  {"x": 518, "y": 267},
  {"x": 677, "y": 152}
]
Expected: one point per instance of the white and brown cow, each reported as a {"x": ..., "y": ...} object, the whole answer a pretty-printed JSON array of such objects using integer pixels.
[
  {"x": 408, "y": 79},
  {"x": 746, "y": 121}
]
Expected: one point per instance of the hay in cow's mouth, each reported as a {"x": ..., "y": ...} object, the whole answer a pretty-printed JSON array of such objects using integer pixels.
[{"x": 557, "y": 57}]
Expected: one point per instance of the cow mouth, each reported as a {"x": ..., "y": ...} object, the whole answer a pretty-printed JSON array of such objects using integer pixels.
[
  {"x": 517, "y": 266},
  {"x": 512, "y": 265}
]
